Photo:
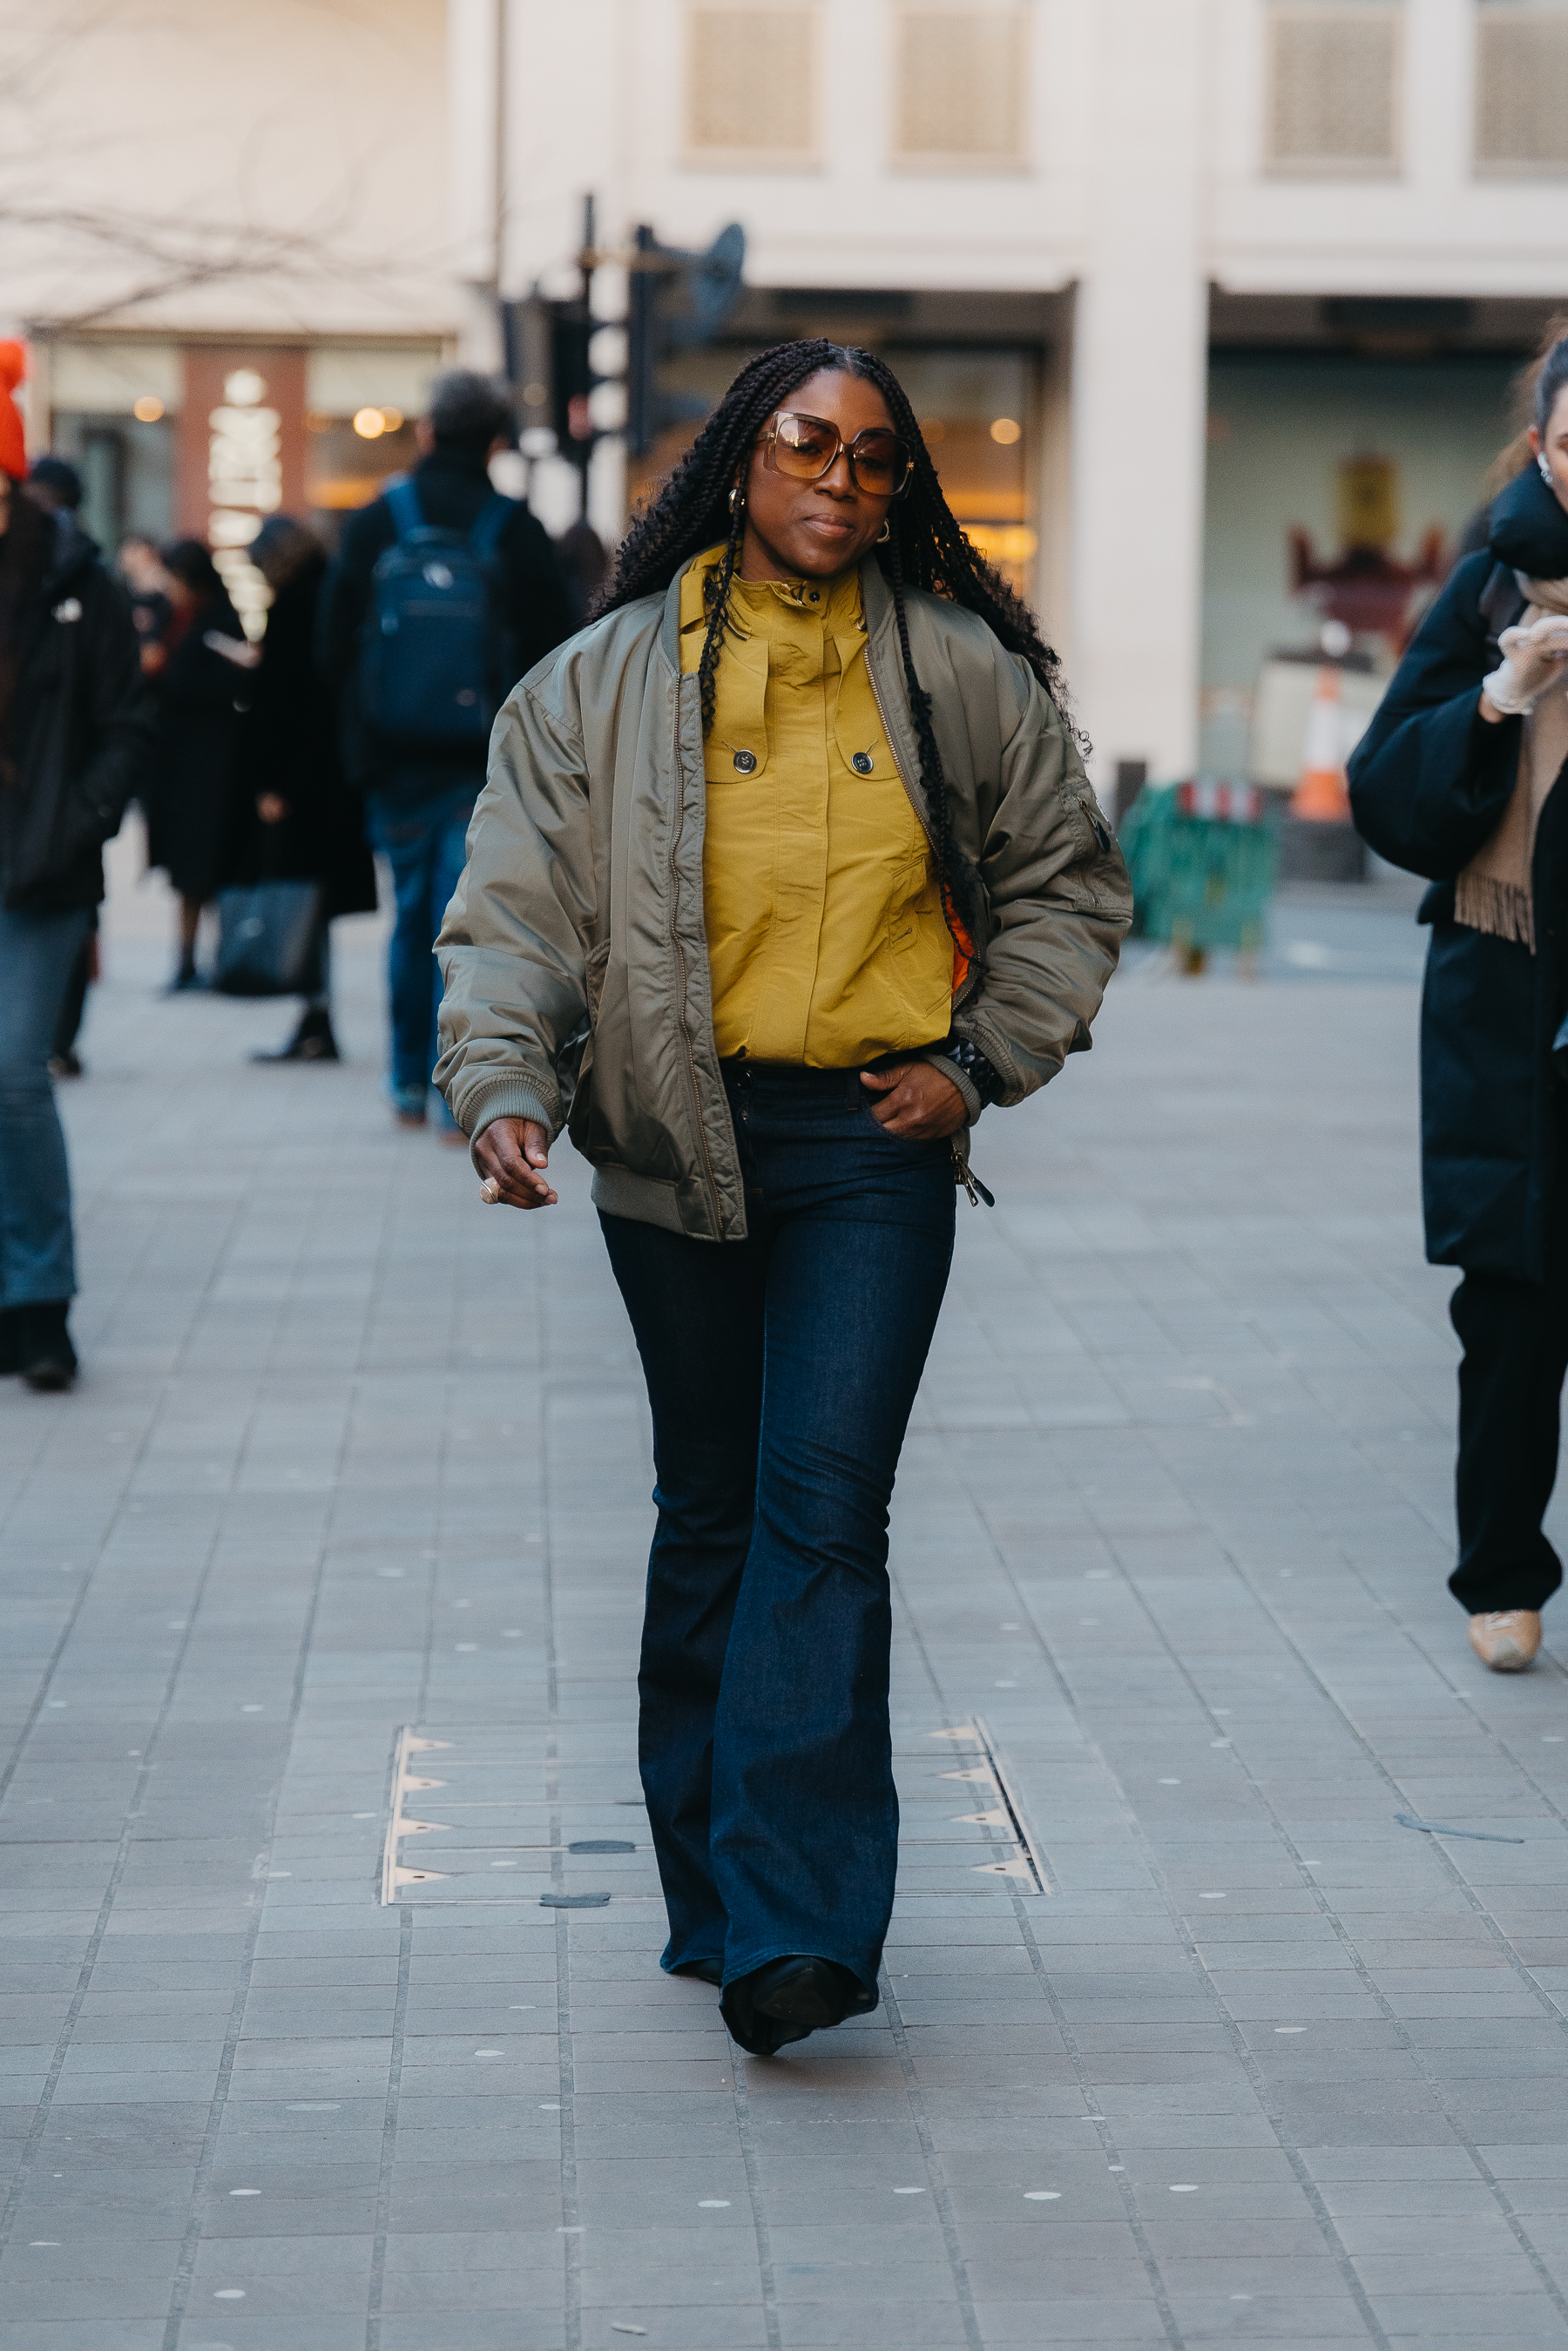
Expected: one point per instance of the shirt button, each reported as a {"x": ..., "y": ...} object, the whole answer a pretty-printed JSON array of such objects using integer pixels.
[
  {"x": 745, "y": 762},
  {"x": 861, "y": 763},
  {"x": 812, "y": 596}
]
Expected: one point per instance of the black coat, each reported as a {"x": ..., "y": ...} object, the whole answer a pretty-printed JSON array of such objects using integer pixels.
[
  {"x": 288, "y": 745},
  {"x": 535, "y": 611},
  {"x": 1429, "y": 782},
  {"x": 191, "y": 777},
  {"x": 83, "y": 720}
]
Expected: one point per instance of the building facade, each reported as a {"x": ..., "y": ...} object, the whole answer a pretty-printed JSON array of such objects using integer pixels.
[
  {"x": 225, "y": 236},
  {"x": 1207, "y": 306},
  {"x": 1162, "y": 275}
]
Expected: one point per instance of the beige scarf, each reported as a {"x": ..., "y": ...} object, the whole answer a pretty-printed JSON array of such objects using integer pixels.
[{"x": 1493, "y": 893}]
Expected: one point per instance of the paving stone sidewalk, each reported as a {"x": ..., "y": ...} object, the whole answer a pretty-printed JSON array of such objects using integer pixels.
[{"x": 345, "y": 1527}]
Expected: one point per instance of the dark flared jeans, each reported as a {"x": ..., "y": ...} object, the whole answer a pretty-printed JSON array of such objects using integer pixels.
[
  {"x": 781, "y": 1371},
  {"x": 1515, "y": 1338}
]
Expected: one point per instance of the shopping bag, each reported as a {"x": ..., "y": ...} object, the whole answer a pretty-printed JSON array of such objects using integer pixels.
[{"x": 270, "y": 940}]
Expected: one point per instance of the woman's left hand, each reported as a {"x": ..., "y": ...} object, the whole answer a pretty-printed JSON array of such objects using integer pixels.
[{"x": 917, "y": 1102}]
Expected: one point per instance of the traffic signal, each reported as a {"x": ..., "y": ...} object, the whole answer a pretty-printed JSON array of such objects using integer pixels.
[
  {"x": 676, "y": 301},
  {"x": 552, "y": 375},
  {"x": 571, "y": 377}
]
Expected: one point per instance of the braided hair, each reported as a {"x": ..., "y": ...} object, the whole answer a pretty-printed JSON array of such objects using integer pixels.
[{"x": 924, "y": 548}]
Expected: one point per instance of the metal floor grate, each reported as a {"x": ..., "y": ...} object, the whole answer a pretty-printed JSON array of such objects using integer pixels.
[{"x": 472, "y": 1821}]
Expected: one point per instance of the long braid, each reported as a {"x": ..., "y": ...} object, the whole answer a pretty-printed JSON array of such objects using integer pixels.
[
  {"x": 716, "y": 591},
  {"x": 956, "y": 883},
  {"x": 925, "y": 549}
]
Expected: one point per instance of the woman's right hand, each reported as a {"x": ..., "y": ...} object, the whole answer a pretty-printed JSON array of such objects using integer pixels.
[
  {"x": 512, "y": 1154},
  {"x": 1533, "y": 659}
]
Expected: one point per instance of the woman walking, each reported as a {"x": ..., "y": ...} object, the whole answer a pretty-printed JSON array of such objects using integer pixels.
[
  {"x": 1458, "y": 777},
  {"x": 296, "y": 817},
  {"x": 201, "y": 665},
  {"x": 784, "y": 867},
  {"x": 73, "y": 727}
]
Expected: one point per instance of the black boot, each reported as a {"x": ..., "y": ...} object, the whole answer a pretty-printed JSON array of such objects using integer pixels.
[
  {"x": 11, "y": 1340},
  {"x": 45, "y": 1358},
  {"x": 312, "y": 1042},
  {"x": 788, "y": 1999}
]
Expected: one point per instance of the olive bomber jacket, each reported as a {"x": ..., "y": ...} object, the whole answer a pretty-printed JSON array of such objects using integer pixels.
[{"x": 573, "y": 951}]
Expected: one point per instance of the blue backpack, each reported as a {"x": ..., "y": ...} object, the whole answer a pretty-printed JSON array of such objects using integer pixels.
[{"x": 434, "y": 665}]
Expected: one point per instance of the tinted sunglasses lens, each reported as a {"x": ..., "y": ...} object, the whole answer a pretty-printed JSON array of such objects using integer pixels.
[
  {"x": 804, "y": 447},
  {"x": 881, "y": 463}
]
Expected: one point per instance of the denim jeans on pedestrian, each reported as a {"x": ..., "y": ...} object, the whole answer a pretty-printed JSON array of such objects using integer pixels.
[
  {"x": 37, "y": 1261},
  {"x": 423, "y": 842},
  {"x": 781, "y": 1371}
]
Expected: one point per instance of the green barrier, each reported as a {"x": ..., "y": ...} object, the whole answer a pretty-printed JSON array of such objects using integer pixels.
[{"x": 1203, "y": 858}]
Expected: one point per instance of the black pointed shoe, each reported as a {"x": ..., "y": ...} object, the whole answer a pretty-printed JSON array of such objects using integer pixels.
[
  {"x": 44, "y": 1356},
  {"x": 708, "y": 1971},
  {"x": 788, "y": 1999}
]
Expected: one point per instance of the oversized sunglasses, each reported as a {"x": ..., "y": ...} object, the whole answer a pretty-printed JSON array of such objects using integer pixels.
[{"x": 807, "y": 448}]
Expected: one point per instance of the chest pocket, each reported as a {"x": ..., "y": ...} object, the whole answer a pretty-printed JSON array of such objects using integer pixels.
[
  {"x": 857, "y": 721},
  {"x": 737, "y": 746}
]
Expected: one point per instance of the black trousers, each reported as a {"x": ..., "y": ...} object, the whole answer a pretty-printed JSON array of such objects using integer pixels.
[
  {"x": 67, "y": 1022},
  {"x": 1515, "y": 1338}
]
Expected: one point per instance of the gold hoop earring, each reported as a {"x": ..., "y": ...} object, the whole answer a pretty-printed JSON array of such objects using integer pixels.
[{"x": 884, "y": 534}]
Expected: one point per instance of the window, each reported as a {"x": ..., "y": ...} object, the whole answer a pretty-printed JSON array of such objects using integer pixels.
[
  {"x": 1333, "y": 84},
  {"x": 751, "y": 87},
  {"x": 960, "y": 88},
  {"x": 1521, "y": 89}
]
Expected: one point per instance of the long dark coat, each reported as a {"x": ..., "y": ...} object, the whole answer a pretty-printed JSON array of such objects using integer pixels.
[
  {"x": 82, "y": 725},
  {"x": 288, "y": 745},
  {"x": 191, "y": 773},
  {"x": 1428, "y": 784}
]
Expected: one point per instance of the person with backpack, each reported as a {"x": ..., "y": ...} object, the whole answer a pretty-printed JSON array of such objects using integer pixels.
[{"x": 442, "y": 594}]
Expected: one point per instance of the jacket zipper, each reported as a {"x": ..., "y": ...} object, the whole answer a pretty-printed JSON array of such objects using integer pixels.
[
  {"x": 965, "y": 1174},
  {"x": 921, "y": 817}
]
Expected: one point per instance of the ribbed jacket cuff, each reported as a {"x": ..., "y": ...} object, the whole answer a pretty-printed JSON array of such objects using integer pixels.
[
  {"x": 973, "y": 1106},
  {"x": 507, "y": 1098}
]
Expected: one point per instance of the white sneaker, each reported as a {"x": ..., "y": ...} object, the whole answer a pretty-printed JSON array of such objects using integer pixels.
[{"x": 1507, "y": 1639}]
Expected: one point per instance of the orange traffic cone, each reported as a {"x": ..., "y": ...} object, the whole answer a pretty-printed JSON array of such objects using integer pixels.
[{"x": 1320, "y": 797}]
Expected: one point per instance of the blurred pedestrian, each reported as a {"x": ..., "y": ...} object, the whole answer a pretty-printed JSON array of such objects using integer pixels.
[
  {"x": 54, "y": 484},
  {"x": 74, "y": 726},
  {"x": 1458, "y": 777},
  {"x": 64, "y": 1062},
  {"x": 201, "y": 665},
  {"x": 140, "y": 565},
  {"x": 772, "y": 1003},
  {"x": 441, "y": 594},
  {"x": 296, "y": 816}
]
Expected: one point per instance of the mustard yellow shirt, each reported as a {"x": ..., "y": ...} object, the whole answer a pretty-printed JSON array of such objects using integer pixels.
[{"x": 826, "y": 939}]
